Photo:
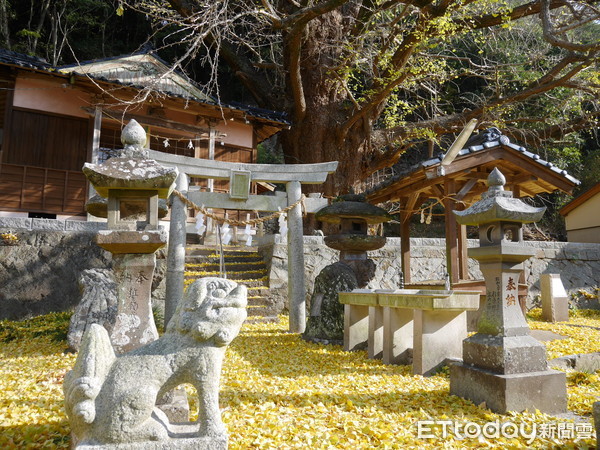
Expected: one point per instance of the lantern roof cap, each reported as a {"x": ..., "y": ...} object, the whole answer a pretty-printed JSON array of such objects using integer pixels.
[
  {"x": 498, "y": 205},
  {"x": 131, "y": 169},
  {"x": 351, "y": 209}
]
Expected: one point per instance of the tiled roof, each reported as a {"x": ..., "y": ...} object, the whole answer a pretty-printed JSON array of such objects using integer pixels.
[
  {"x": 487, "y": 139},
  {"x": 251, "y": 111},
  {"x": 21, "y": 60},
  {"x": 29, "y": 62}
]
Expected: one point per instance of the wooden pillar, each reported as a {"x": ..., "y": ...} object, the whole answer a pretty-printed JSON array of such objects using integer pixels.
[
  {"x": 211, "y": 154},
  {"x": 94, "y": 149},
  {"x": 516, "y": 191},
  {"x": 463, "y": 258},
  {"x": 451, "y": 232},
  {"x": 405, "y": 242}
]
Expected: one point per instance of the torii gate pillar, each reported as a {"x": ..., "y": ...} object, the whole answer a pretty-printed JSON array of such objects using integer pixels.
[{"x": 296, "y": 290}]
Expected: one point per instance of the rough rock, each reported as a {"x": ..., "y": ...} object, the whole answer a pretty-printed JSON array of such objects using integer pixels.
[
  {"x": 98, "y": 304},
  {"x": 326, "y": 320},
  {"x": 41, "y": 274}
]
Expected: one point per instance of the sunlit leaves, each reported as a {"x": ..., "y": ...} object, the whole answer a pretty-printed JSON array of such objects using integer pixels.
[{"x": 278, "y": 391}]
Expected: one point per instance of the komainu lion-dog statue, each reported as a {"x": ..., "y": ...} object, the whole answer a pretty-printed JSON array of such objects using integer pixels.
[{"x": 110, "y": 399}]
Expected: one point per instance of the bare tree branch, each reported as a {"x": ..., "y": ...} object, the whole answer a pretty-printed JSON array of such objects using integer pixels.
[{"x": 551, "y": 36}]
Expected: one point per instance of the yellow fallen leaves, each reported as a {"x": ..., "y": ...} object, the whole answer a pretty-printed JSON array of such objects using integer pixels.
[
  {"x": 584, "y": 337},
  {"x": 278, "y": 391}
]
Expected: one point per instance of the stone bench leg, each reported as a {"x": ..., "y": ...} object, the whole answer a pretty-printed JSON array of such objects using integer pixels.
[
  {"x": 397, "y": 335},
  {"x": 437, "y": 335},
  {"x": 356, "y": 327},
  {"x": 376, "y": 340}
]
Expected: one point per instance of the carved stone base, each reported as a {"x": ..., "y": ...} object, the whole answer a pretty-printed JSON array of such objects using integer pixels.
[
  {"x": 182, "y": 436},
  {"x": 545, "y": 391},
  {"x": 204, "y": 443}
]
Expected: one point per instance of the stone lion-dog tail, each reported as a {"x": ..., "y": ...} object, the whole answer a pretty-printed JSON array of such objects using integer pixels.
[{"x": 82, "y": 384}]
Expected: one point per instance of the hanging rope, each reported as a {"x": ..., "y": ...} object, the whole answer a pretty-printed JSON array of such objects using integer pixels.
[{"x": 239, "y": 223}]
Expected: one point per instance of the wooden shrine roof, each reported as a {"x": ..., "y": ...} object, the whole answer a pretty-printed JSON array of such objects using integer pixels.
[{"x": 526, "y": 173}]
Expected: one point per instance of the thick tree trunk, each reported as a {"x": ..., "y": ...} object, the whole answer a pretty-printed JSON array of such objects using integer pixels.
[{"x": 315, "y": 135}]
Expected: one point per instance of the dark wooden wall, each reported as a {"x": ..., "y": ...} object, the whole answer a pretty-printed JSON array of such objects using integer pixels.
[{"x": 45, "y": 140}]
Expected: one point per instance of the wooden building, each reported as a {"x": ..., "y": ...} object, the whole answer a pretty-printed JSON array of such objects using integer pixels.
[
  {"x": 581, "y": 216},
  {"x": 460, "y": 183},
  {"x": 53, "y": 119}
]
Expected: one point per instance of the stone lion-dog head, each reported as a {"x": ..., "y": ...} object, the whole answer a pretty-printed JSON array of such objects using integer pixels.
[{"x": 211, "y": 308}]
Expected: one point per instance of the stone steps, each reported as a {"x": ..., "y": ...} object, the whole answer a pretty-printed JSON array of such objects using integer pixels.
[
  {"x": 230, "y": 266},
  {"x": 243, "y": 265}
]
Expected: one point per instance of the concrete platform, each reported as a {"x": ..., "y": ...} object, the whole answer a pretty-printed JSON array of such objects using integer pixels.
[{"x": 428, "y": 324}]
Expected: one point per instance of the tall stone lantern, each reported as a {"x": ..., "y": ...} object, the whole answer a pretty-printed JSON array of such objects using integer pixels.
[
  {"x": 503, "y": 365},
  {"x": 355, "y": 269},
  {"x": 133, "y": 185}
]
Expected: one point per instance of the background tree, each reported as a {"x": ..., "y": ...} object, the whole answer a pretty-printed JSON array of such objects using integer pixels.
[
  {"x": 64, "y": 31},
  {"x": 362, "y": 80},
  {"x": 365, "y": 80}
]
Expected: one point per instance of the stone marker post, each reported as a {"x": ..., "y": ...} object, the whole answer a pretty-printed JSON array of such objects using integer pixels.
[
  {"x": 555, "y": 301},
  {"x": 132, "y": 183},
  {"x": 503, "y": 366}
]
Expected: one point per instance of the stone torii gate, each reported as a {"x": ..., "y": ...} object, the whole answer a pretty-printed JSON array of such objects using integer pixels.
[{"x": 240, "y": 176}]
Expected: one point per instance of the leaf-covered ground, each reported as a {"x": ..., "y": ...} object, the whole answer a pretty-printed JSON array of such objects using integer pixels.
[{"x": 278, "y": 391}]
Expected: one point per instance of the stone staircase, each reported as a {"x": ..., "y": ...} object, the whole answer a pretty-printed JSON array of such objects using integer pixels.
[{"x": 243, "y": 265}]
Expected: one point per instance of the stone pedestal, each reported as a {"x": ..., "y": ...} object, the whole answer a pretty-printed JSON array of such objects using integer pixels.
[
  {"x": 375, "y": 345},
  {"x": 555, "y": 301},
  {"x": 393, "y": 325},
  {"x": 545, "y": 390},
  {"x": 432, "y": 332},
  {"x": 356, "y": 327},
  {"x": 503, "y": 366}
]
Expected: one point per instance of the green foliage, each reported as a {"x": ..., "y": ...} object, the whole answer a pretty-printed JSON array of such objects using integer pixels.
[
  {"x": 53, "y": 326},
  {"x": 28, "y": 34},
  {"x": 159, "y": 319},
  {"x": 590, "y": 173},
  {"x": 268, "y": 154}
]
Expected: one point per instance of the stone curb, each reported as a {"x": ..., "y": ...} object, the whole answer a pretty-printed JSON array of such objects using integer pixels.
[
  {"x": 585, "y": 362},
  {"x": 20, "y": 223}
]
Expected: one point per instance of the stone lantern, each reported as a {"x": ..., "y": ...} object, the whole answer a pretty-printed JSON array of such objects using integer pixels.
[
  {"x": 354, "y": 269},
  {"x": 132, "y": 184},
  {"x": 503, "y": 365},
  {"x": 353, "y": 217}
]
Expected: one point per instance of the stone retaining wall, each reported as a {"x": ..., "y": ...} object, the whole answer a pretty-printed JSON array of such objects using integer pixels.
[
  {"x": 40, "y": 274},
  {"x": 578, "y": 264}
]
